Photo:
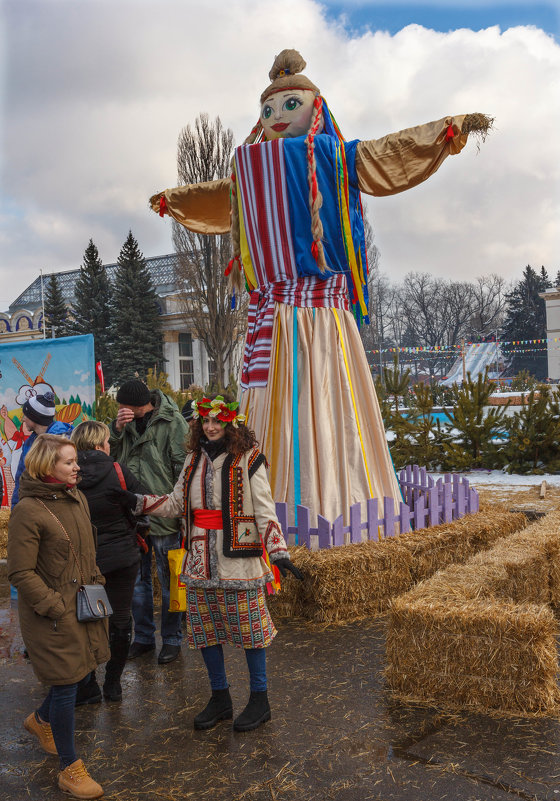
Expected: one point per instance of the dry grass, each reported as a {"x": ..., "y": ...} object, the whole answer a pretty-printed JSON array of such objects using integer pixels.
[
  {"x": 356, "y": 581},
  {"x": 483, "y": 634},
  {"x": 473, "y": 653}
]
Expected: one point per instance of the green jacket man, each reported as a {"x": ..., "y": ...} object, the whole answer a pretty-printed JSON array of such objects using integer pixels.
[{"x": 148, "y": 436}]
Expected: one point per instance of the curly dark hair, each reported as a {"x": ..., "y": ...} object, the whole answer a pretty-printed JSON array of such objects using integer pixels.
[{"x": 238, "y": 439}]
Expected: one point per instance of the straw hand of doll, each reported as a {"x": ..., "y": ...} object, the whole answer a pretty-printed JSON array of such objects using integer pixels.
[{"x": 284, "y": 565}]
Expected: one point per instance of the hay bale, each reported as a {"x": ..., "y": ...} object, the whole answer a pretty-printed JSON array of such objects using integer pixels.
[
  {"x": 482, "y": 635},
  {"x": 477, "y": 654},
  {"x": 355, "y": 581},
  {"x": 449, "y": 543}
]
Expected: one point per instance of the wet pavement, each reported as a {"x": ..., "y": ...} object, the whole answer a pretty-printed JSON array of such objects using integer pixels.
[{"x": 334, "y": 733}]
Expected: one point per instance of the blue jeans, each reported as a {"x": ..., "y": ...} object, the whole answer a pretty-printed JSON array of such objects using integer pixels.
[
  {"x": 213, "y": 657},
  {"x": 143, "y": 597},
  {"x": 58, "y": 710}
]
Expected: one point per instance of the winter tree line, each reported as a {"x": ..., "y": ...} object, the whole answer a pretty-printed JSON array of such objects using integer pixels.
[
  {"x": 425, "y": 311},
  {"x": 123, "y": 315}
]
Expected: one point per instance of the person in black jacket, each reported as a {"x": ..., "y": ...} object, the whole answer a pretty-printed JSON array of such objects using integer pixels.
[{"x": 118, "y": 554}]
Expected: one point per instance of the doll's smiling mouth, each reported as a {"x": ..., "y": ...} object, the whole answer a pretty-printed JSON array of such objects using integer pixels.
[{"x": 280, "y": 126}]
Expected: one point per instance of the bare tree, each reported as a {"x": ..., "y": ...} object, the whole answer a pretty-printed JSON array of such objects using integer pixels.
[
  {"x": 203, "y": 154},
  {"x": 436, "y": 312},
  {"x": 374, "y": 334},
  {"x": 489, "y": 304}
]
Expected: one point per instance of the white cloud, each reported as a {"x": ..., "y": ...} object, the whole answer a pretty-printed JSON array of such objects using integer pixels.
[{"x": 96, "y": 94}]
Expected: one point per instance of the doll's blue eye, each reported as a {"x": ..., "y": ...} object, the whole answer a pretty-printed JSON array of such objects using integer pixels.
[{"x": 266, "y": 112}]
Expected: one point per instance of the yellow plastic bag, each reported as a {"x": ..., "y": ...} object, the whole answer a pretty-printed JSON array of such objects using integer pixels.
[{"x": 177, "y": 589}]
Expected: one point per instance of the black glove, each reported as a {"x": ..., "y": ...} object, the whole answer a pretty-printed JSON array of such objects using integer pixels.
[
  {"x": 124, "y": 498},
  {"x": 284, "y": 565}
]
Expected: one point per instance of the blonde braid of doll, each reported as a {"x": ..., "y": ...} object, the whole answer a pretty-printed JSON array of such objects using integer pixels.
[
  {"x": 315, "y": 197},
  {"x": 236, "y": 281}
]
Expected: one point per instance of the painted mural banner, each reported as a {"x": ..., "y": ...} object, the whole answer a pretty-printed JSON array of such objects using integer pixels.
[{"x": 64, "y": 366}]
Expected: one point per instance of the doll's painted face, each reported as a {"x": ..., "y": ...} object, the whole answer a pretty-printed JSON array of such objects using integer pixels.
[{"x": 287, "y": 114}]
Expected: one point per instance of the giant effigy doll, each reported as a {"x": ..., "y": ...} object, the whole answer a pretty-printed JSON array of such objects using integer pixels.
[{"x": 293, "y": 207}]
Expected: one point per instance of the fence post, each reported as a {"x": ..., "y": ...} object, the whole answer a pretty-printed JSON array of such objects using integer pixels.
[
  {"x": 473, "y": 501},
  {"x": 419, "y": 513},
  {"x": 373, "y": 519},
  {"x": 389, "y": 518},
  {"x": 323, "y": 532},
  {"x": 282, "y": 515},
  {"x": 447, "y": 503},
  {"x": 433, "y": 506},
  {"x": 456, "y": 485},
  {"x": 404, "y": 518},
  {"x": 304, "y": 537},
  {"x": 338, "y": 531},
  {"x": 460, "y": 500},
  {"x": 355, "y": 523}
]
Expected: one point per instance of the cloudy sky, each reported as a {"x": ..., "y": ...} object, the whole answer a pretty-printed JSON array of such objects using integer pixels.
[{"x": 93, "y": 95}]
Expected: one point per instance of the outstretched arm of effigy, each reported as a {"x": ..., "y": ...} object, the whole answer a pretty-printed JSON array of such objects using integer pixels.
[
  {"x": 203, "y": 208},
  {"x": 402, "y": 160}
]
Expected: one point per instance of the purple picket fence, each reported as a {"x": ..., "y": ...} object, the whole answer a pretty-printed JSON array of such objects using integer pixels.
[{"x": 425, "y": 503}]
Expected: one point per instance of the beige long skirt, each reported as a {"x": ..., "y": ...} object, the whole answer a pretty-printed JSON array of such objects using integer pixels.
[{"x": 318, "y": 420}]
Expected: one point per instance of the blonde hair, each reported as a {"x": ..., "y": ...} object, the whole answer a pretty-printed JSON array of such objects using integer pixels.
[
  {"x": 89, "y": 434},
  {"x": 44, "y": 454}
]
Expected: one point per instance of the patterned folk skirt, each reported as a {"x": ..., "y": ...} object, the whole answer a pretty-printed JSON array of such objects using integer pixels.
[{"x": 238, "y": 617}]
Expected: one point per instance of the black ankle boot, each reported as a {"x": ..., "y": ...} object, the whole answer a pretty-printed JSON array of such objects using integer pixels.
[
  {"x": 89, "y": 693},
  {"x": 119, "y": 640},
  {"x": 219, "y": 707},
  {"x": 256, "y": 712}
]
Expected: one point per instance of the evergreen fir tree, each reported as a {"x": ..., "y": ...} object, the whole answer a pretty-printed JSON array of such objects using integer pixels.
[
  {"x": 57, "y": 320},
  {"x": 526, "y": 320},
  {"x": 396, "y": 385},
  {"x": 91, "y": 310},
  {"x": 478, "y": 429},
  {"x": 137, "y": 340},
  {"x": 426, "y": 438},
  {"x": 534, "y": 433}
]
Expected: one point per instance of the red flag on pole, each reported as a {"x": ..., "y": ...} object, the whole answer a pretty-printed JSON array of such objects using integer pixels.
[{"x": 99, "y": 371}]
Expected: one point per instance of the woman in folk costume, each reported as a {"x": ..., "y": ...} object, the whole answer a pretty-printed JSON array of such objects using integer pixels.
[
  {"x": 234, "y": 549},
  {"x": 298, "y": 238}
]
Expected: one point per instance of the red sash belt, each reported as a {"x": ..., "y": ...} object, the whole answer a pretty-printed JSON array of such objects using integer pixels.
[{"x": 208, "y": 518}]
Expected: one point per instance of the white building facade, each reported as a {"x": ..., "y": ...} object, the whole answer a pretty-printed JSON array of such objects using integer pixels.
[
  {"x": 186, "y": 359},
  {"x": 552, "y": 303}
]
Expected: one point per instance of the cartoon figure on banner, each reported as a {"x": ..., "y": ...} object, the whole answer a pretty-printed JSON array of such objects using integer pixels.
[
  {"x": 66, "y": 413},
  {"x": 299, "y": 249},
  {"x": 12, "y": 438}
]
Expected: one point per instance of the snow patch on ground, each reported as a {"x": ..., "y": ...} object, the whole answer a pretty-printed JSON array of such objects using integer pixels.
[{"x": 483, "y": 478}]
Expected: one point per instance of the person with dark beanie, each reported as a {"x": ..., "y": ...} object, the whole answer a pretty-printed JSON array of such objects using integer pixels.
[
  {"x": 117, "y": 551},
  {"x": 39, "y": 415},
  {"x": 148, "y": 437}
]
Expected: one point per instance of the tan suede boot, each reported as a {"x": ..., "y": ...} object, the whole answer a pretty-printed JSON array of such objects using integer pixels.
[
  {"x": 75, "y": 780},
  {"x": 42, "y": 732}
]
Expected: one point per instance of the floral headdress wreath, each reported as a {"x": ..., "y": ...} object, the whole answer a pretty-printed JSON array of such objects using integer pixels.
[{"x": 218, "y": 408}]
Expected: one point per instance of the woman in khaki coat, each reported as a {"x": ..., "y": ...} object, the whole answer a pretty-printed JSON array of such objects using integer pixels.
[{"x": 45, "y": 571}]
